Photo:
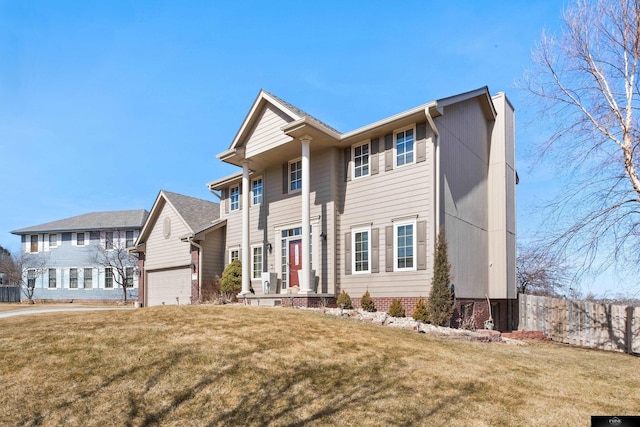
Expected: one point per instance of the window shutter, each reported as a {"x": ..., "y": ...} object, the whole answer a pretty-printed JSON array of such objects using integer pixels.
[
  {"x": 285, "y": 180},
  {"x": 74, "y": 239},
  {"x": 225, "y": 196},
  {"x": 388, "y": 152},
  {"x": 388, "y": 248},
  {"x": 347, "y": 164},
  {"x": 240, "y": 190},
  {"x": 421, "y": 239},
  {"x": 421, "y": 142},
  {"x": 375, "y": 251},
  {"x": 347, "y": 253},
  {"x": 373, "y": 159}
]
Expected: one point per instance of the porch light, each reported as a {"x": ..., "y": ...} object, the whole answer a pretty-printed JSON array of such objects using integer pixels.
[
  {"x": 193, "y": 267},
  {"x": 269, "y": 247},
  {"x": 323, "y": 235}
]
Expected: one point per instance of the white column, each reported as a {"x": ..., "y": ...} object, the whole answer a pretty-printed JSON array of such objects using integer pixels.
[
  {"x": 305, "y": 285},
  {"x": 246, "y": 248}
]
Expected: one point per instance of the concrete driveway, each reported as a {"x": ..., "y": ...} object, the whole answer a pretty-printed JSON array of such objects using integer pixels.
[{"x": 18, "y": 310}]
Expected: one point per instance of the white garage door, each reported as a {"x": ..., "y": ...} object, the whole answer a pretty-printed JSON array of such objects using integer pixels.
[{"x": 169, "y": 287}]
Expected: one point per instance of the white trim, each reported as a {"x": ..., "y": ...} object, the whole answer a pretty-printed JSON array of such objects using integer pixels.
[
  {"x": 395, "y": 244},
  {"x": 231, "y": 249},
  {"x": 395, "y": 143},
  {"x": 354, "y": 231},
  {"x": 353, "y": 159},
  {"x": 253, "y": 247},
  {"x": 231, "y": 188}
]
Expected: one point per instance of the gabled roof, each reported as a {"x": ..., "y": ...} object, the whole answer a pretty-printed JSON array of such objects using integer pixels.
[
  {"x": 300, "y": 124},
  {"x": 112, "y": 220},
  {"x": 265, "y": 98},
  {"x": 197, "y": 214}
]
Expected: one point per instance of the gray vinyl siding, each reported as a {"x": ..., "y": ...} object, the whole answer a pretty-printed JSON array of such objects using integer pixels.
[
  {"x": 171, "y": 252},
  {"x": 464, "y": 163},
  {"x": 266, "y": 133},
  {"x": 377, "y": 200}
]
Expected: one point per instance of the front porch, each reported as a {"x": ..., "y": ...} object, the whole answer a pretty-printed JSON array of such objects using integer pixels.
[{"x": 290, "y": 300}]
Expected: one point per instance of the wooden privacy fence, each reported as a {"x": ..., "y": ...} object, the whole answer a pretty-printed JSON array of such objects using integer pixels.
[
  {"x": 9, "y": 293},
  {"x": 583, "y": 323}
]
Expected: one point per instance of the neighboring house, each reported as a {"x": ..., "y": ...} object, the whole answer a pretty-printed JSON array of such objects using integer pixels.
[
  {"x": 180, "y": 250},
  {"x": 63, "y": 255},
  {"x": 325, "y": 211}
]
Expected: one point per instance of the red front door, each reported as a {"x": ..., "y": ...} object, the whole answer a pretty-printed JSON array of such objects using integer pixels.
[{"x": 295, "y": 261}]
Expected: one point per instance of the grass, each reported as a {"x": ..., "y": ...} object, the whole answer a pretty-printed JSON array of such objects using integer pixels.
[{"x": 236, "y": 365}]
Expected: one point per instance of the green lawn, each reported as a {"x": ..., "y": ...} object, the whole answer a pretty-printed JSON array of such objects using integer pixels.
[{"x": 236, "y": 365}]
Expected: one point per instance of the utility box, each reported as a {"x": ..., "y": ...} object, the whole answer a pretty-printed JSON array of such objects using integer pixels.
[{"x": 270, "y": 283}]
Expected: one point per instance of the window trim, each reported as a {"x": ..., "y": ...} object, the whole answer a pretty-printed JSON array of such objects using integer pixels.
[
  {"x": 31, "y": 242},
  {"x": 253, "y": 258},
  {"x": 84, "y": 277},
  {"x": 289, "y": 181},
  {"x": 253, "y": 194},
  {"x": 77, "y": 282},
  {"x": 355, "y": 231},
  {"x": 126, "y": 239},
  {"x": 109, "y": 242},
  {"x": 353, "y": 156},
  {"x": 84, "y": 239},
  {"x": 55, "y": 278},
  {"x": 414, "y": 243},
  {"x": 231, "y": 250},
  {"x": 237, "y": 202},
  {"x": 412, "y": 128}
]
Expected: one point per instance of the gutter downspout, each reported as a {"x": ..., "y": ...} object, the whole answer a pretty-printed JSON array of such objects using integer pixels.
[
  {"x": 199, "y": 266},
  {"x": 436, "y": 169}
]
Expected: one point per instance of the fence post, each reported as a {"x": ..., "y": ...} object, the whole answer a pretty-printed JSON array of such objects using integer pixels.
[{"x": 629, "y": 329}]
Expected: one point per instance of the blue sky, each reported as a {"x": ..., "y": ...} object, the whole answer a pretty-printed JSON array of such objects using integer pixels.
[{"x": 103, "y": 104}]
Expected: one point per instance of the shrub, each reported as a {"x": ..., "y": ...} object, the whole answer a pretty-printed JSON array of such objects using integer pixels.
[
  {"x": 231, "y": 282},
  {"x": 396, "y": 309},
  {"x": 421, "y": 311},
  {"x": 345, "y": 299},
  {"x": 367, "y": 303},
  {"x": 440, "y": 302}
]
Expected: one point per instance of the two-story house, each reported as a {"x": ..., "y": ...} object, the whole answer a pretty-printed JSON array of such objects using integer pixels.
[
  {"x": 317, "y": 211},
  {"x": 63, "y": 257}
]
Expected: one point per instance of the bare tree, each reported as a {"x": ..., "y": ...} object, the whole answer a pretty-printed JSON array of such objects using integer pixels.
[
  {"x": 540, "y": 272},
  {"x": 116, "y": 259},
  {"x": 23, "y": 270},
  {"x": 585, "y": 83}
]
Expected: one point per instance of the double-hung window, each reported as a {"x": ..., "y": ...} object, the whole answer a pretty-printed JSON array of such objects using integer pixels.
[
  {"x": 34, "y": 243},
  {"x": 361, "y": 160},
  {"x": 80, "y": 239},
  {"x": 53, "y": 240},
  {"x": 404, "y": 147},
  {"x": 256, "y": 265},
  {"x": 234, "y": 254},
  {"x": 108, "y": 277},
  {"x": 256, "y": 187},
  {"x": 129, "y": 238},
  {"x": 31, "y": 278},
  {"x": 235, "y": 198},
  {"x": 361, "y": 245},
  {"x": 52, "y": 278},
  {"x": 108, "y": 240},
  {"x": 128, "y": 277},
  {"x": 88, "y": 278},
  {"x": 73, "y": 278},
  {"x": 295, "y": 175},
  {"x": 405, "y": 246}
]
